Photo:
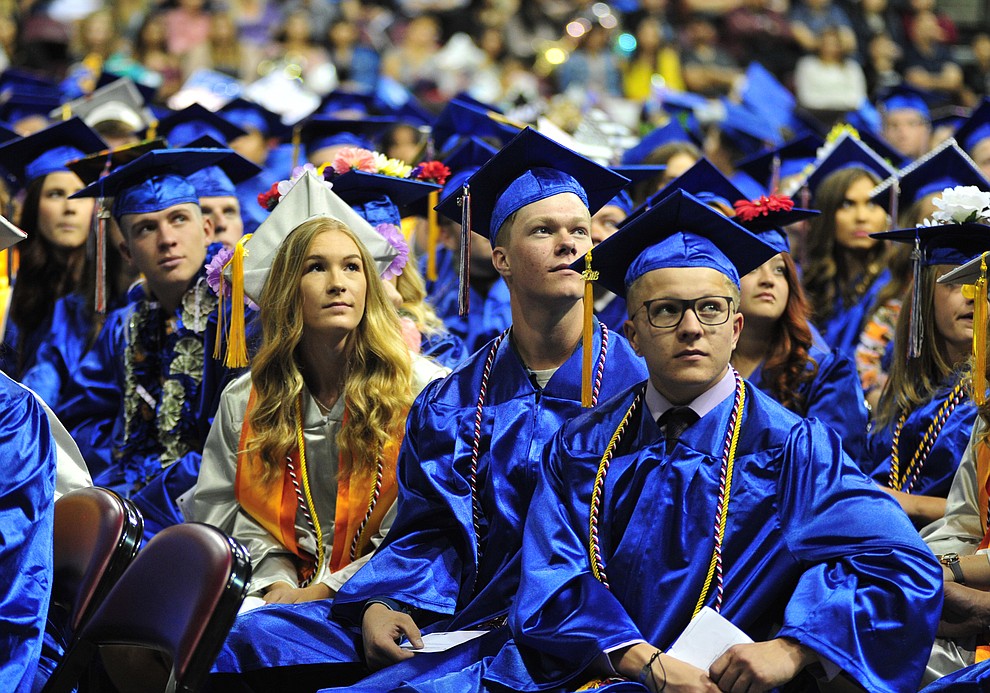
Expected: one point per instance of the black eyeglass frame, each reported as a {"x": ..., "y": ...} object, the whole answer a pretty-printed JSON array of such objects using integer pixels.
[{"x": 686, "y": 303}]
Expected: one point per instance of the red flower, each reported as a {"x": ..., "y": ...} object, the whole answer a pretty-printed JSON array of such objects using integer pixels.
[
  {"x": 747, "y": 210},
  {"x": 269, "y": 198},
  {"x": 432, "y": 171}
]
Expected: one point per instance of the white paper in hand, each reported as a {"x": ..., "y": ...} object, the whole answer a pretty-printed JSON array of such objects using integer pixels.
[
  {"x": 706, "y": 638},
  {"x": 440, "y": 642}
]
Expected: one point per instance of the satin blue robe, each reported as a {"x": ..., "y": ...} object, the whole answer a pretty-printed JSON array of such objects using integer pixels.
[
  {"x": 61, "y": 350},
  {"x": 429, "y": 560},
  {"x": 27, "y": 504},
  {"x": 614, "y": 315},
  {"x": 810, "y": 543},
  {"x": 842, "y": 330},
  {"x": 92, "y": 409},
  {"x": 834, "y": 397},
  {"x": 940, "y": 466}
]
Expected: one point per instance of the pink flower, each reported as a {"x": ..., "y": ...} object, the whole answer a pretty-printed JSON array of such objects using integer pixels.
[
  {"x": 747, "y": 210},
  {"x": 353, "y": 158}
]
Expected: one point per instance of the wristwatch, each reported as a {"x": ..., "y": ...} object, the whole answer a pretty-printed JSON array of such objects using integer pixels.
[{"x": 951, "y": 561}]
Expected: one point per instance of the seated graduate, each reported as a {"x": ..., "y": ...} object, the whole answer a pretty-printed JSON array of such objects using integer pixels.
[
  {"x": 304, "y": 440},
  {"x": 844, "y": 267},
  {"x": 778, "y": 351},
  {"x": 472, "y": 447},
  {"x": 140, "y": 401},
  {"x": 377, "y": 192},
  {"x": 805, "y": 554},
  {"x": 924, "y": 417},
  {"x": 52, "y": 297},
  {"x": 27, "y": 504}
]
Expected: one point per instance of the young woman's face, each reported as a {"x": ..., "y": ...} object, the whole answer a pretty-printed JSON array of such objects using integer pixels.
[
  {"x": 765, "y": 291},
  {"x": 858, "y": 216},
  {"x": 953, "y": 316},
  {"x": 63, "y": 222},
  {"x": 333, "y": 285}
]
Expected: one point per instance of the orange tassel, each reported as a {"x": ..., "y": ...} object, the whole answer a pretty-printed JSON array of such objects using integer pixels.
[
  {"x": 237, "y": 339},
  {"x": 980, "y": 336}
]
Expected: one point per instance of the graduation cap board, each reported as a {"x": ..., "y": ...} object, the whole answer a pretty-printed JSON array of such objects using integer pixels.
[
  {"x": 976, "y": 128},
  {"x": 249, "y": 115},
  {"x": 194, "y": 121},
  {"x": 846, "y": 151},
  {"x": 117, "y": 101},
  {"x": 90, "y": 168},
  {"x": 378, "y": 198},
  {"x": 49, "y": 150}
]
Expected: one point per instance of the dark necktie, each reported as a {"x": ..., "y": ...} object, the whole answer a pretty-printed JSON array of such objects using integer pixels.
[{"x": 675, "y": 421}]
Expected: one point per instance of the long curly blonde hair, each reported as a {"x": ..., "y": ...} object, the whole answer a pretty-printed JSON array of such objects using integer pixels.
[{"x": 377, "y": 365}]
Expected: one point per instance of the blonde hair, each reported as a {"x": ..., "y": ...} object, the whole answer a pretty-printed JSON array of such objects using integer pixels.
[
  {"x": 412, "y": 288},
  {"x": 378, "y": 369}
]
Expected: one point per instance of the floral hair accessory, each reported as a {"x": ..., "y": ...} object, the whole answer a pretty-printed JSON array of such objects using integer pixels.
[
  {"x": 431, "y": 172},
  {"x": 960, "y": 205},
  {"x": 392, "y": 234},
  {"x": 747, "y": 210},
  {"x": 358, "y": 159},
  {"x": 214, "y": 276},
  {"x": 273, "y": 195}
]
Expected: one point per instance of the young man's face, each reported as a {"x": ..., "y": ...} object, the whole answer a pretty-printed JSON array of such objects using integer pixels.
[
  {"x": 225, "y": 213},
  {"x": 168, "y": 247},
  {"x": 907, "y": 131},
  {"x": 544, "y": 238},
  {"x": 686, "y": 360}
]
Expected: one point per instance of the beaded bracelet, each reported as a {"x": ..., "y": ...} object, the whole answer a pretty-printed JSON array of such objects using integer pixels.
[{"x": 647, "y": 671}]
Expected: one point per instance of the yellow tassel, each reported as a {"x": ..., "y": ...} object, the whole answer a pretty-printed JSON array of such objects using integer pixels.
[
  {"x": 152, "y": 130},
  {"x": 432, "y": 236},
  {"x": 588, "y": 336},
  {"x": 980, "y": 336},
  {"x": 237, "y": 339},
  {"x": 296, "y": 144}
]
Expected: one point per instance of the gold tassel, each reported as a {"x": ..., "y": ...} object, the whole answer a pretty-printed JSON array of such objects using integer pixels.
[
  {"x": 66, "y": 111},
  {"x": 296, "y": 144},
  {"x": 588, "y": 336},
  {"x": 237, "y": 339},
  {"x": 4, "y": 290},
  {"x": 979, "y": 295},
  {"x": 152, "y": 130},
  {"x": 432, "y": 236}
]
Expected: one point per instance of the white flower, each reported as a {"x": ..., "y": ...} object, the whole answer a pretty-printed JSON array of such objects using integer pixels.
[{"x": 962, "y": 204}]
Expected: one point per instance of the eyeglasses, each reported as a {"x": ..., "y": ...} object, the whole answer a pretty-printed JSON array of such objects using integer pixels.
[{"x": 668, "y": 312}]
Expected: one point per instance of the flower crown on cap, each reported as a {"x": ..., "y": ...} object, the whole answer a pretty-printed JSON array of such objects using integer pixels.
[{"x": 960, "y": 205}]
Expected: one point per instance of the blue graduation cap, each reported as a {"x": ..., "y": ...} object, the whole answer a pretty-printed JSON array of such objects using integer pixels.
[
  {"x": 764, "y": 95},
  {"x": 844, "y": 152},
  {"x": 469, "y": 152},
  {"x": 879, "y": 145},
  {"x": 636, "y": 174},
  {"x": 194, "y": 121},
  {"x": 789, "y": 159},
  {"x": 463, "y": 119},
  {"x": 348, "y": 104},
  {"x": 318, "y": 132},
  {"x": 49, "y": 150},
  {"x": 946, "y": 166},
  {"x": 154, "y": 181},
  {"x": 16, "y": 79},
  {"x": 750, "y": 131},
  {"x": 91, "y": 167},
  {"x": 379, "y": 198},
  {"x": 248, "y": 115},
  {"x": 6, "y": 134},
  {"x": 220, "y": 180},
  {"x": 680, "y": 231},
  {"x": 906, "y": 97},
  {"x": 976, "y": 128},
  {"x": 16, "y": 105},
  {"x": 530, "y": 168},
  {"x": 948, "y": 244},
  {"x": 671, "y": 132}
]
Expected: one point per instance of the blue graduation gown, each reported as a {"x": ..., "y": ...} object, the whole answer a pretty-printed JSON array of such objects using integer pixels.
[
  {"x": 940, "y": 465},
  {"x": 972, "y": 679},
  {"x": 27, "y": 503},
  {"x": 60, "y": 350},
  {"x": 489, "y": 314},
  {"x": 429, "y": 559},
  {"x": 810, "y": 543},
  {"x": 614, "y": 315},
  {"x": 834, "y": 397},
  {"x": 842, "y": 330},
  {"x": 93, "y": 410}
]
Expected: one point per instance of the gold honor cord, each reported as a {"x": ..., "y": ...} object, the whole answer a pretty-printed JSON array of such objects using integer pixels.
[{"x": 304, "y": 473}]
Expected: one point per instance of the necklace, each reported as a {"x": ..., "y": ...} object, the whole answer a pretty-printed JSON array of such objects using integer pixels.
[
  {"x": 905, "y": 482},
  {"x": 722, "y": 506}
]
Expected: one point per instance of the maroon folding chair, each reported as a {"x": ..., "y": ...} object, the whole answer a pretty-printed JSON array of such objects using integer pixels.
[
  {"x": 97, "y": 535},
  {"x": 179, "y": 596}
]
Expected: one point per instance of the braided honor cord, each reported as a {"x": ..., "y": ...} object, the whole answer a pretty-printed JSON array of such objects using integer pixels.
[{"x": 905, "y": 482}]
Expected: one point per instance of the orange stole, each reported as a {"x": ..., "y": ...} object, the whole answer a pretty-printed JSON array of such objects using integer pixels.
[
  {"x": 982, "y": 484},
  {"x": 276, "y": 512}
]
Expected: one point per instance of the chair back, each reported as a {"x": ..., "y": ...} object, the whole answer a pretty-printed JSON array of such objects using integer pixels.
[
  {"x": 97, "y": 535},
  {"x": 180, "y": 595}
]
